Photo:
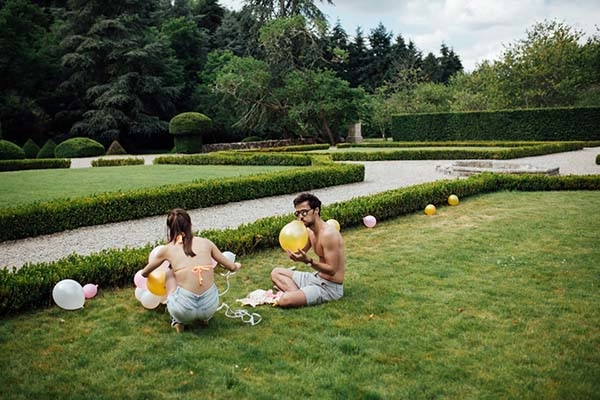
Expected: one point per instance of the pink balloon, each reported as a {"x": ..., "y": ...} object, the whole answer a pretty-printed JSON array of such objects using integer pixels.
[
  {"x": 369, "y": 221},
  {"x": 139, "y": 280},
  {"x": 90, "y": 290}
]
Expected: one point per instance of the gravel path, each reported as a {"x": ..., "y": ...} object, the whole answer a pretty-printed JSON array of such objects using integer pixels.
[{"x": 379, "y": 177}]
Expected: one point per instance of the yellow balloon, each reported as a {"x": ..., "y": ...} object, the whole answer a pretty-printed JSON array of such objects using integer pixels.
[
  {"x": 453, "y": 200},
  {"x": 156, "y": 282},
  {"x": 334, "y": 223},
  {"x": 293, "y": 236},
  {"x": 430, "y": 209}
]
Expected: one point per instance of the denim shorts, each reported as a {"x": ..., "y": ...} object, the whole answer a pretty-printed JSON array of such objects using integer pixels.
[
  {"x": 316, "y": 289},
  {"x": 185, "y": 306}
]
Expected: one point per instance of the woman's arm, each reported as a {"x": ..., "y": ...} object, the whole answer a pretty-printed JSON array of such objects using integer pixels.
[
  {"x": 221, "y": 259},
  {"x": 155, "y": 261}
]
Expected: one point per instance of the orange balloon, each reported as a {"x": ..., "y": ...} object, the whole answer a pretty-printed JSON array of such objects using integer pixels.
[
  {"x": 156, "y": 282},
  {"x": 430, "y": 209},
  {"x": 453, "y": 200},
  {"x": 293, "y": 236}
]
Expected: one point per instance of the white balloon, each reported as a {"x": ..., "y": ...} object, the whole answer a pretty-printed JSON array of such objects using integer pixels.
[
  {"x": 68, "y": 294},
  {"x": 229, "y": 255},
  {"x": 139, "y": 292},
  {"x": 150, "y": 300},
  {"x": 154, "y": 251}
]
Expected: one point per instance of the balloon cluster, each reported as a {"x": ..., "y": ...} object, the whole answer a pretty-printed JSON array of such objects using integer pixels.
[
  {"x": 452, "y": 200},
  {"x": 70, "y": 295},
  {"x": 151, "y": 291}
]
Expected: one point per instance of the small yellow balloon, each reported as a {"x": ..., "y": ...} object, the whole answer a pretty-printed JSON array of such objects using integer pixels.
[
  {"x": 453, "y": 200},
  {"x": 156, "y": 282},
  {"x": 293, "y": 236},
  {"x": 430, "y": 209},
  {"x": 334, "y": 223}
]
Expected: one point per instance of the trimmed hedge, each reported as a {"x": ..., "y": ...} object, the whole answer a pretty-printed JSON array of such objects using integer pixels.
[
  {"x": 115, "y": 148},
  {"x": 39, "y": 163},
  {"x": 10, "y": 151},
  {"x": 47, "y": 150},
  {"x": 117, "y": 162},
  {"x": 237, "y": 158},
  {"x": 62, "y": 214},
  {"x": 546, "y": 124},
  {"x": 445, "y": 154},
  {"x": 188, "y": 129},
  {"x": 473, "y": 143},
  {"x": 31, "y": 148},
  {"x": 79, "y": 147},
  {"x": 189, "y": 123},
  {"x": 31, "y": 286},
  {"x": 295, "y": 148}
]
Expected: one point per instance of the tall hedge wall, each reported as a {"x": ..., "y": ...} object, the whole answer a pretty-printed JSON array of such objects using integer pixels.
[{"x": 542, "y": 124}]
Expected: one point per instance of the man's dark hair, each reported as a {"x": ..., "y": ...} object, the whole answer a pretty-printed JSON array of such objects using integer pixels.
[{"x": 313, "y": 201}]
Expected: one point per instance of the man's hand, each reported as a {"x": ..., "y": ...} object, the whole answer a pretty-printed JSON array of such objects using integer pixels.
[{"x": 299, "y": 256}]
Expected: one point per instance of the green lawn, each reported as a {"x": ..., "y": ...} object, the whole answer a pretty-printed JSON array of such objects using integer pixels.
[
  {"x": 496, "y": 298},
  {"x": 24, "y": 187}
]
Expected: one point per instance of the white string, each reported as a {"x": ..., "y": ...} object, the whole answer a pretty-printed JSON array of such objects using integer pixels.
[
  {"x": 226, "y": 275},
  {"x": 245, "y": 316}
]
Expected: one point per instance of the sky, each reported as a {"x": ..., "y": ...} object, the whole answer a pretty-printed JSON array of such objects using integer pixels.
[{"x": 476, "y": 30}]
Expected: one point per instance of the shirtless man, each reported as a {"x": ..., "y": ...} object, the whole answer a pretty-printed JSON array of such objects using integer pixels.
[{"x": 326, "y": 283}]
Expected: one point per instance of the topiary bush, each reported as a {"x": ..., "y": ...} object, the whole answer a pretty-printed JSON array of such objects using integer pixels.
[
  {"x": 115, "y": 148},
  {"x": 47, "y": 150},
  {"x": 188, "y": 129},
  {"x": 31, "y": 149},
  {"x": 10, "y": 151},
  {"x": 79, "y": 147}
]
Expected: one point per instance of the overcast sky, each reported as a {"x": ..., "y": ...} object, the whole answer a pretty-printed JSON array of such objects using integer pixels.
[{"x": 477, "y": 30}]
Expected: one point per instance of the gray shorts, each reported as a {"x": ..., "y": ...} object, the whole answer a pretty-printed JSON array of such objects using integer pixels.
[
  {"x": 185, "y": 306},
  {"x": 316, "y": 289}
]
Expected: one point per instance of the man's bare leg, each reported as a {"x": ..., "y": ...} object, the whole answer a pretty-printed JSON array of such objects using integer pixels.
[{"x": 292, "y": 296}]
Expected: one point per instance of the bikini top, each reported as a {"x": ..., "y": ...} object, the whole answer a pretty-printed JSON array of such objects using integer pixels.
[{"x": 196, "y": 269}]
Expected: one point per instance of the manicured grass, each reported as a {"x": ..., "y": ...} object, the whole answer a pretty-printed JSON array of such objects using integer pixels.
[
  {"x": 24, "y": 187},
  {"x": 494, "y": 298}
]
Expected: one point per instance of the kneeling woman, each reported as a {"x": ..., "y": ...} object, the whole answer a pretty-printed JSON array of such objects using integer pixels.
[{"x": 190, "y": 283}]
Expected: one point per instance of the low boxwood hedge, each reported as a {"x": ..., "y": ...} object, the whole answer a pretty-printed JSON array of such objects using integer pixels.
[
  {"x": 117, "y": 162},
  {"x": 450, "y": 154},
  {"x": 62, "y": 214},
  {"x": 237, "y": 158},
  {"x": 31, "y": 286},
  {"x": 39, "y": 163}
]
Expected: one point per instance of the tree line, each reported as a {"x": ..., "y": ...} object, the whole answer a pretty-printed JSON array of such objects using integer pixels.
[{"x": 274, "y": 69}]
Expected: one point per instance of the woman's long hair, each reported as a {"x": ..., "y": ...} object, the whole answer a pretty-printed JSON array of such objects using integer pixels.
[{"x": 179, "y": 223}]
